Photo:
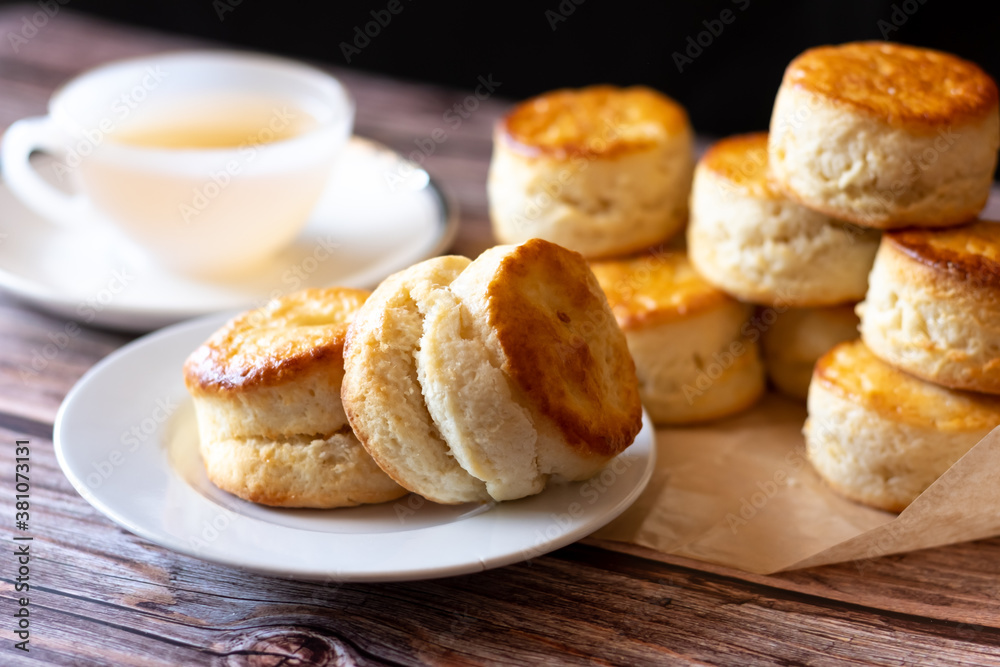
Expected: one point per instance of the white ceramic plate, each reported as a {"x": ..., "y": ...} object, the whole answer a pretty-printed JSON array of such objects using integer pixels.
[
  {"x": 126, "y": 438},
  {"x": 362, "y": 230}
]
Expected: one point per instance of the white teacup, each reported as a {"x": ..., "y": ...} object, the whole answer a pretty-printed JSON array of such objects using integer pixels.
[{"x": 209, "y": 161}]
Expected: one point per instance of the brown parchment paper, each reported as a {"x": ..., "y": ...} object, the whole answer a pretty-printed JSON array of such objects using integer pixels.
[{"x": 740, "y": 493}]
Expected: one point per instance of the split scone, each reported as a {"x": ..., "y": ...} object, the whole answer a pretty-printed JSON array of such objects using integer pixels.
[
  {"x": 266, "y": 389},
  {"x": 753, "y": 242},
  {"x": 793, "y": 340},
  {"x": 880, "y": 436},
  {"x": 886, "y": 135},
  {"x": 933, "y": 308},
  {"x": 600, "y": 170},
  {"x": 478, "y": 380},
  {"x": 695, "y": 351}
]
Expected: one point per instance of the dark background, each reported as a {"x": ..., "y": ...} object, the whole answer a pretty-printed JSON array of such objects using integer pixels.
[{"x": 728, "y": 87}]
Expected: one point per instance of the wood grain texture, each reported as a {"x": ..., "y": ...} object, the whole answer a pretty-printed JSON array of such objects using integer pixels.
[{"x": 102, "y": 596}]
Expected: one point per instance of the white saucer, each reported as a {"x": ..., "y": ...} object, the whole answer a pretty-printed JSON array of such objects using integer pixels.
[
  {"x": 126, "y": 438},
  {"x": 361, "y": 232}
]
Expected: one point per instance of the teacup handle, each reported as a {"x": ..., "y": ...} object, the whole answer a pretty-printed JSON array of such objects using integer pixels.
[{"x": 19, "y": 141}]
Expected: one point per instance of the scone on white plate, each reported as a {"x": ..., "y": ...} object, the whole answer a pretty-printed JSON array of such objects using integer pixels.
[
  {"x": 266, "y": 390},
  {"x": 933, "y": 308},
  {"x": 880, "y": 436},
  {"x": 600, "y": 170},
  {"x": 797, "y": 338},
  {"x": 695, "y": 352},
  {"x": 886, "y": 135},
  {"x": 470, "y": 381},
  {"x": 750, "y": 240}
]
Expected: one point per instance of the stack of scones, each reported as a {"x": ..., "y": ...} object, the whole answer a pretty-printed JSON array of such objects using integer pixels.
[
  {"x": 607, "y": 172},
  {"x": 904, "y": 140},
  {"x": 857, "y": 210}
]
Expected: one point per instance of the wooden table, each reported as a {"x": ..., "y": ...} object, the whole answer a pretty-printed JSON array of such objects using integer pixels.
[{"x": 100, "y": 595}]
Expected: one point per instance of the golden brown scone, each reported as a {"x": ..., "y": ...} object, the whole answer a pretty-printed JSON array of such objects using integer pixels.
[
  {"x": 797, "y": 338},
  {"x": 266, "y": 389},
  {"x": 880, "y": 436},
  {"x": 750, "y": 240},
  {"x": 543, "y": 316},
  {"x": 511, "y": 368},
  {"x": 696, "y": 356},
  {"x": 270, "y": 371},
  {"x": 886, "y": 135},
  {"x": 600, "y": 170},
  {"x": 933, "y": 309}
]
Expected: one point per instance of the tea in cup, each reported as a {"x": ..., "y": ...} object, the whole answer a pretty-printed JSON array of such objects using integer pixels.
[{"x": 209, "y": 161}]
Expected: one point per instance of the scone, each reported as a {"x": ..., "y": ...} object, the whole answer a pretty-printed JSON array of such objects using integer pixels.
[
  {"x": 881, "y": 437},
  {"x": 470, "y": 381},
  {"x": 886, "y": 135},
  {"x": 796, "y": 338},
  {"x": 266, "y": 389},
  {"x": 599, "y": 170},
  {"x": 753, "y": 242},
  {"x": 933, "y": 308},
  {"x": 382, "y": 392},
  {"x": 695, "y": 352}
]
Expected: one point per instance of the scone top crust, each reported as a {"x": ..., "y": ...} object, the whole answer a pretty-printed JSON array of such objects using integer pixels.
[
  {"x": 274, "y": 343},
  {"x": 562, "y": 347},
  {"x": 902, "y": 85},
  {"x": 970, "y": 253},
  {"x": 655, "y": 287},
  {"x": 851, "y": 371},
  {"x": 603, "y": 121},
  {"x": 742, "y": 161}
]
